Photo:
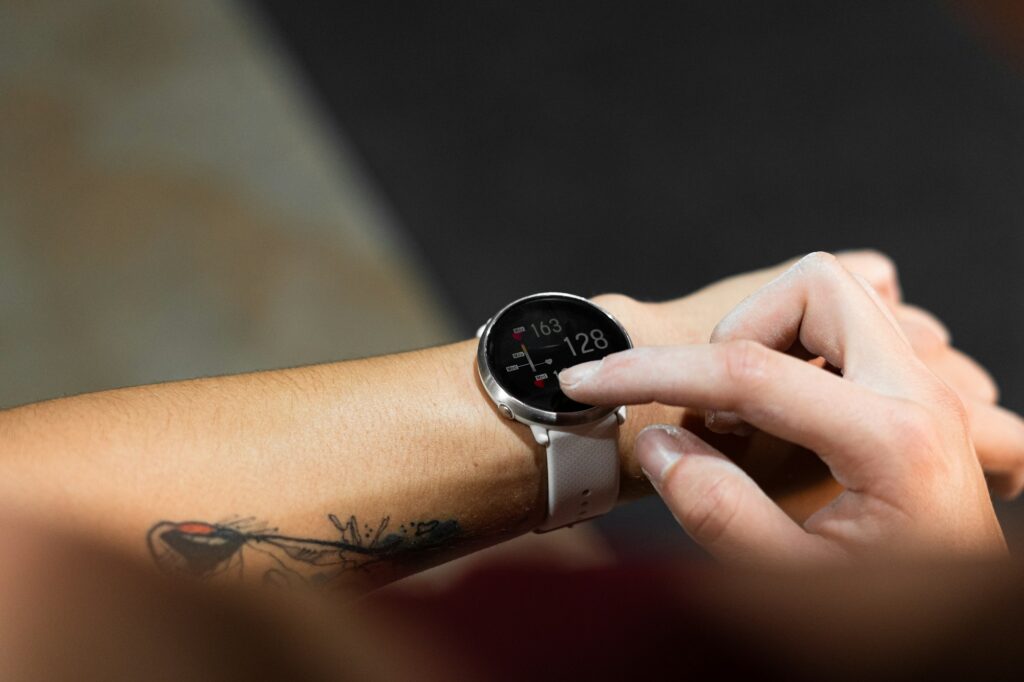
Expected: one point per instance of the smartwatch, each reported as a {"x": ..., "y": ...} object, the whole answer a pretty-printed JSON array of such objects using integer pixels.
[{"x": 521, "y": 352}]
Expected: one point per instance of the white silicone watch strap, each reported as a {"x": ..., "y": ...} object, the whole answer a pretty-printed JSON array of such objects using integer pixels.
[{"x": 583, "y": 472}]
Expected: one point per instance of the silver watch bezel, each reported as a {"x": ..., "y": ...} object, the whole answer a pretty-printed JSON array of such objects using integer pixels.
[{"x": 520, "y": 410}]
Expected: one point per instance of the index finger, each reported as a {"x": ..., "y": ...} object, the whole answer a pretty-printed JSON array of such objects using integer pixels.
[{"x": 777, "y": 393}]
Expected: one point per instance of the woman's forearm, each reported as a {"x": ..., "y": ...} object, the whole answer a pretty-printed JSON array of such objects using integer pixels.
[
  {"x": 356, "y": 472},
  {"x": 359, "y": 471}
]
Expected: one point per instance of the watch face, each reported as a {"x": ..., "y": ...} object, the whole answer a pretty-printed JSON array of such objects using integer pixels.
[{"x": 533, "y": 340}]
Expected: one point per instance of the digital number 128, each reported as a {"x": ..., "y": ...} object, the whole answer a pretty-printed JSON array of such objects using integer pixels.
[{"x": 595, "y": 337}]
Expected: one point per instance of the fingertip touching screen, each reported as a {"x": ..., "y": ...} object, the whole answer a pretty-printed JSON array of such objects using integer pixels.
[{"x": 533, "y": 340}]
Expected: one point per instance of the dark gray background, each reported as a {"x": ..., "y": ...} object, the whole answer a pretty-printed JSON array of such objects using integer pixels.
[{"x": 651, "y": 148}]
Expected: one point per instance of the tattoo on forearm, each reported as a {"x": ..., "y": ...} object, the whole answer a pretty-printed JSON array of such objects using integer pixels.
[{"x": 205, "y": 550}]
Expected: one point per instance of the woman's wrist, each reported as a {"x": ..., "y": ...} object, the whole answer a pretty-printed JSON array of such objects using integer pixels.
[
  {"x": 648, "y": 324},
  {"x": 684, "y": 320}
]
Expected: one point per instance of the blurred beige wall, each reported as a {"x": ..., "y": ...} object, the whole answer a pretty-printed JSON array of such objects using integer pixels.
[{"x": 172, "y": 206}]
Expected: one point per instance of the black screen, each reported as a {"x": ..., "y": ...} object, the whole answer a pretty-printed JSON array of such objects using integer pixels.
[{"x": 531, "y": 342}]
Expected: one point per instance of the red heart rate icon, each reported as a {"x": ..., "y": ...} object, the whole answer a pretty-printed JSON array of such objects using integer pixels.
[
  {"x": 539, "y": 383},
  {"x": 518, "y": 336}
]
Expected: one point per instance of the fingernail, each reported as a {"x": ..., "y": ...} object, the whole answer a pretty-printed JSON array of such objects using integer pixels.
[
  {"x": 571, "y": 377},
  {"x": 709, "y": 418},
  {"x": 657, "y": 450}
]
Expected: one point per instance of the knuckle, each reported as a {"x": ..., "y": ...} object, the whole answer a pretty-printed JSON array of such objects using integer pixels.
[
  {"x": 982, "y": 382},
  {"x": 884, "y": 265},
  {"x": 712, "y": 509},
  {"x": 745, "y": 361},
  {"x": 823, "y": 269},
  {"x": 915, "y": 435},
  {"x": 947, "y": 402},
  {"x": 911, "y": 427},
  {"x": 988, "y": 389},
  {"x": 925, "y": 342},
  {"x": 819, "y": 261}
]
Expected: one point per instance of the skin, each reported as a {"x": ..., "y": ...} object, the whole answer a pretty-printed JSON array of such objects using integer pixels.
[
  {"x": 401, "y": 440},
  {"x": 894, "y": 435},
  {"x": 107, "y": 465}
]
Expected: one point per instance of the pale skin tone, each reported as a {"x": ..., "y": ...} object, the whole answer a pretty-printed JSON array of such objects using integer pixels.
[
  {"x": 409, "y": 438},
  {"x": 895, "y": 436}
]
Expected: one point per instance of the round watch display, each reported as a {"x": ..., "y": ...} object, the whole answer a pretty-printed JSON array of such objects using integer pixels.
[{"x": 533, "y": 339}]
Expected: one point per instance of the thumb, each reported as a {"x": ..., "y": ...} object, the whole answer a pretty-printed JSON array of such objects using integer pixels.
[{"x": 717, "y": 504}]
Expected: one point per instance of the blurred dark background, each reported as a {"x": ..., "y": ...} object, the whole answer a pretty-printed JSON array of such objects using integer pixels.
[{"x": 651, "y": 148}]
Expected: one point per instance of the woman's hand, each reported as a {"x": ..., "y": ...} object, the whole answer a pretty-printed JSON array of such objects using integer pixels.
[
  {"x": 892, "y": 434},
  {"x": 998, "y": 434}
]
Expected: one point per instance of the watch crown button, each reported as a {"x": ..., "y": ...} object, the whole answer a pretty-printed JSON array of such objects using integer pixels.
[{"x": 506, "y": 412}]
